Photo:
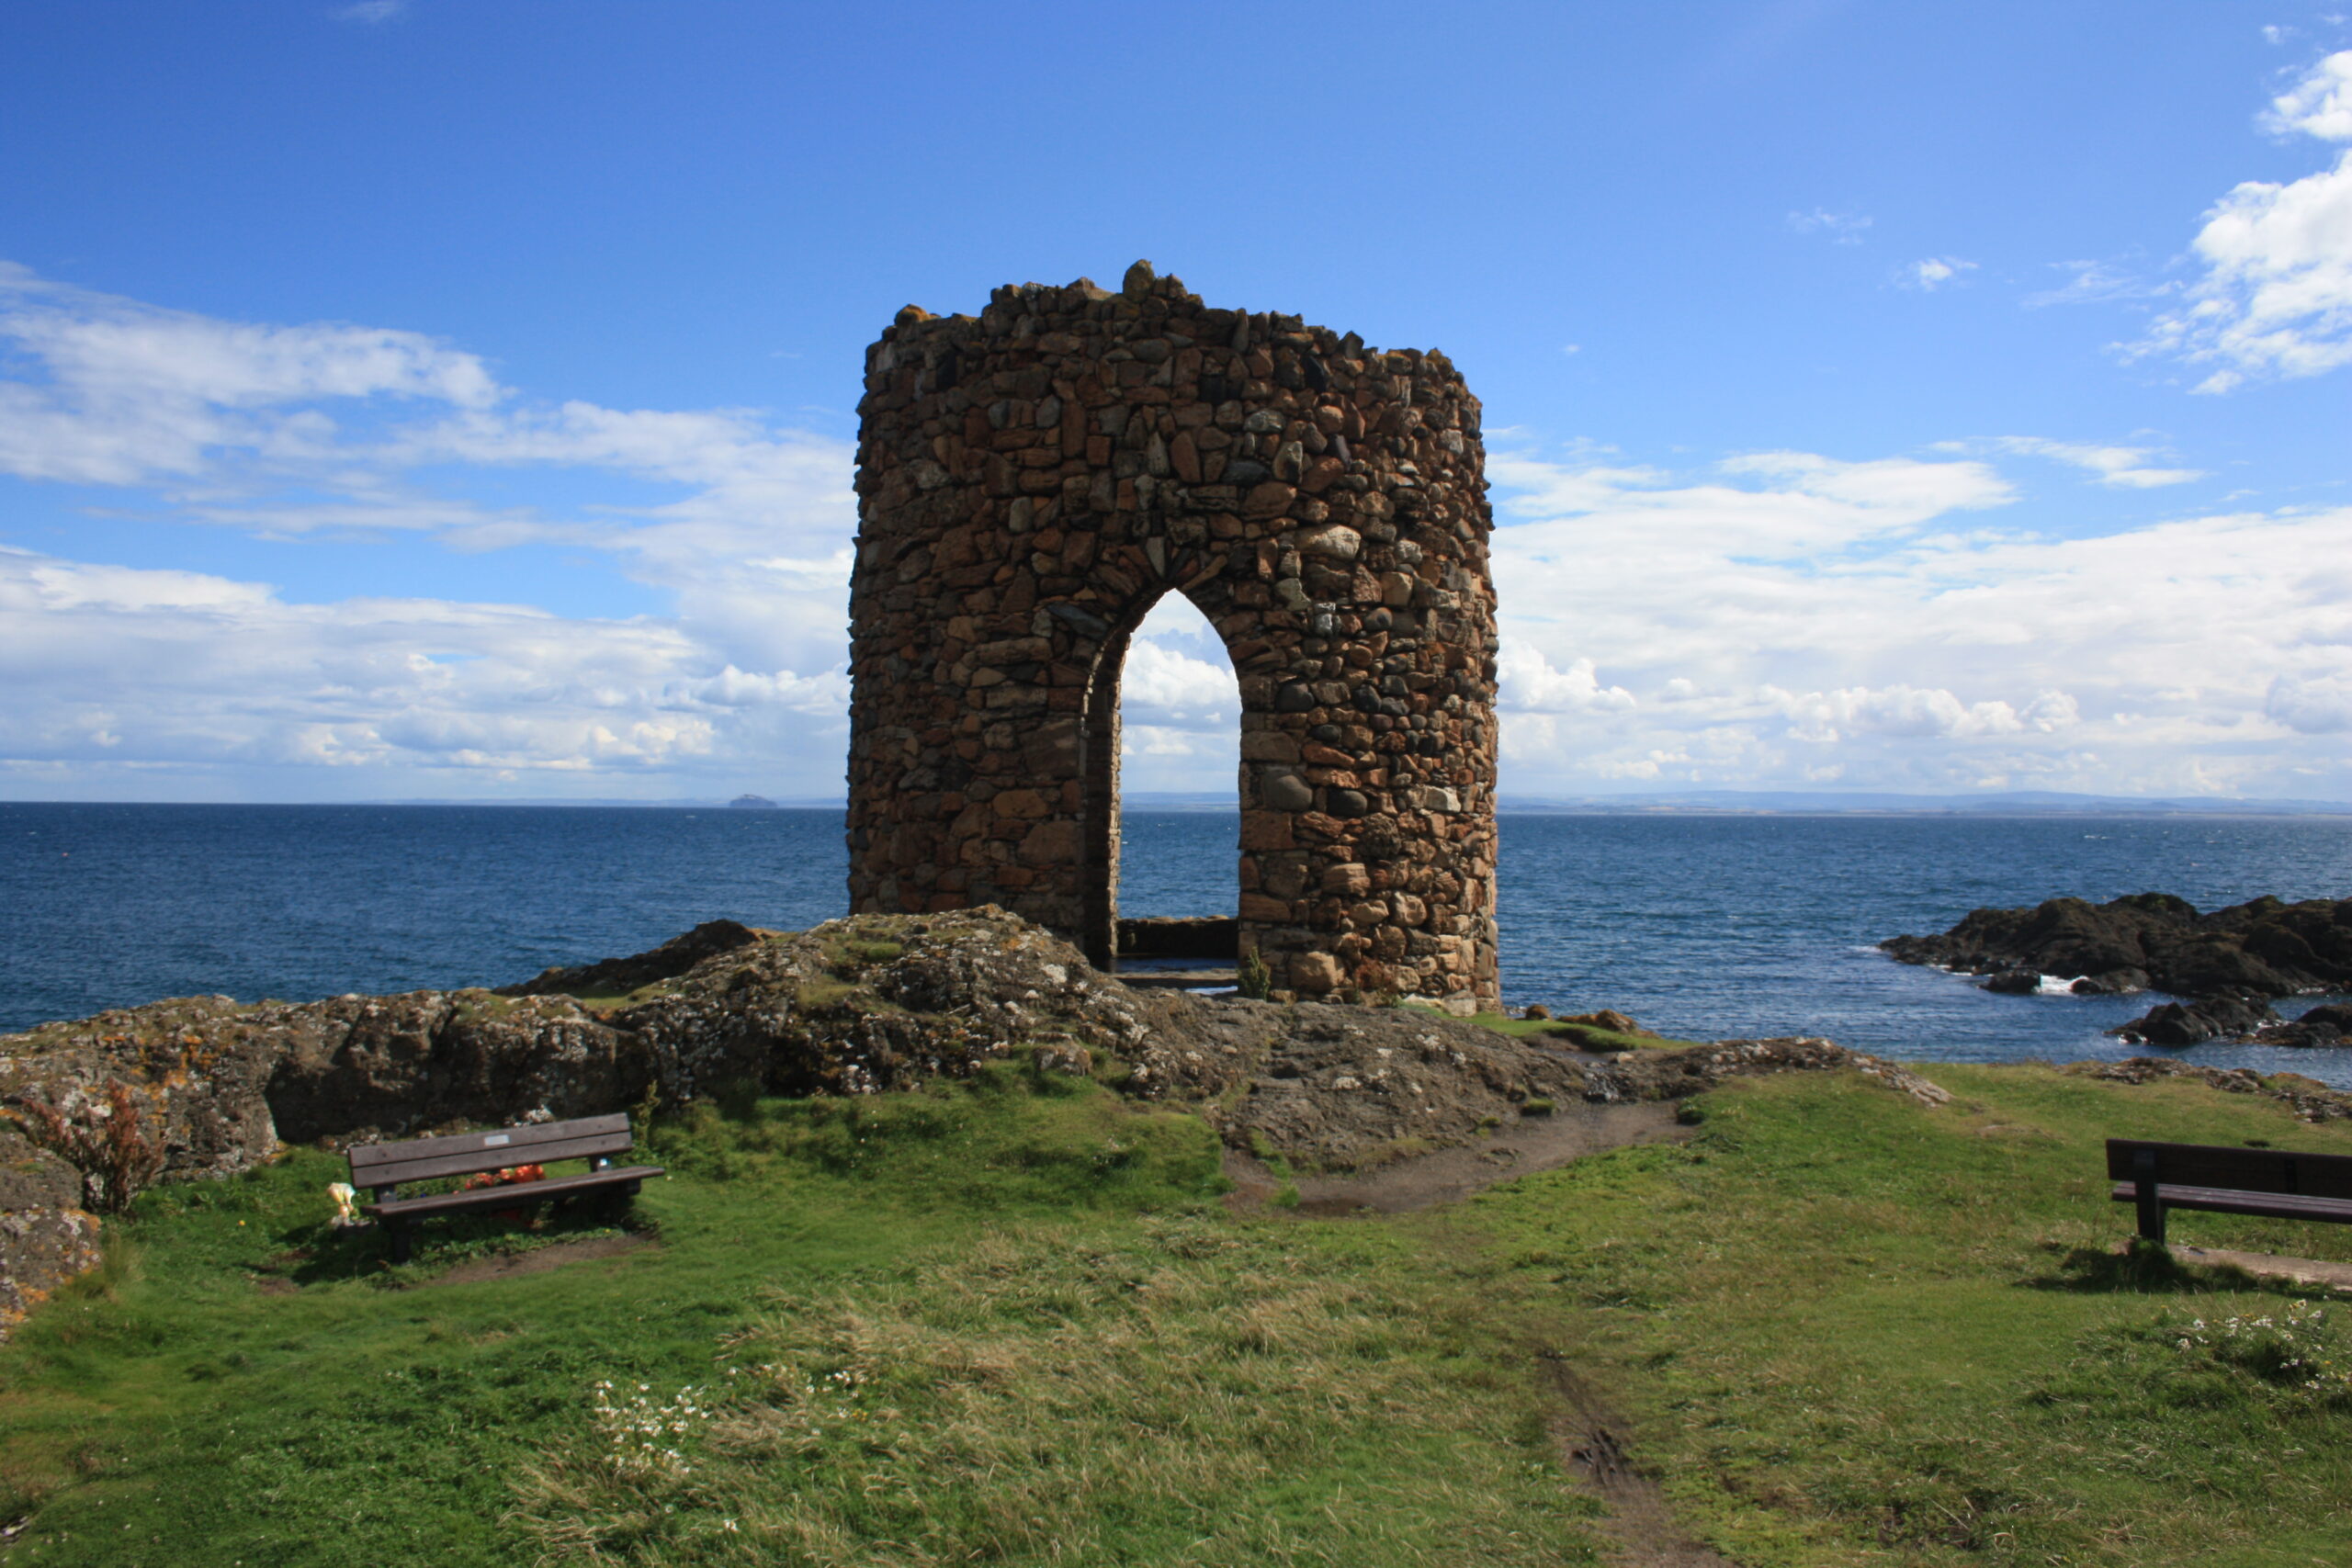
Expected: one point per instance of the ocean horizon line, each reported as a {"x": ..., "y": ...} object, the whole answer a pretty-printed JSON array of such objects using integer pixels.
[{"x": 1697, "y": 802}]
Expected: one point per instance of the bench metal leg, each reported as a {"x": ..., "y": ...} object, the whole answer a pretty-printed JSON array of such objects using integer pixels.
[
  {"x": 2151, "y": 1207},
  {"x": 399, "y": 1236}
]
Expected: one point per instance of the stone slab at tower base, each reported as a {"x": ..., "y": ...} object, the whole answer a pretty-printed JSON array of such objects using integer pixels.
[{"x": 1030, "y": 480}]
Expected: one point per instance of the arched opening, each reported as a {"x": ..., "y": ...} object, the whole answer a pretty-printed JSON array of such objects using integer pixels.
[{"x": 1161, "y": 779}]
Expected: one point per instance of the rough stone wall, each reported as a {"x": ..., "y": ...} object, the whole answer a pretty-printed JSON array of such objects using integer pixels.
[{"x": 1032, "y": 480}]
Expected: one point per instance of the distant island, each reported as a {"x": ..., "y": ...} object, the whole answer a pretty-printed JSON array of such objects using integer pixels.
[{"x": 752, "y": 803}]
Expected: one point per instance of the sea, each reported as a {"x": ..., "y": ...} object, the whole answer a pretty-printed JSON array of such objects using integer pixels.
[{"x": 1699, "y": 926}]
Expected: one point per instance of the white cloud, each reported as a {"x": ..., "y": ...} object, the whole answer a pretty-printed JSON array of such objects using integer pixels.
[
  {"x": 1781, "y": 616},
  {"x": 1526, "y": 682},
  {"x": 1812, "y": 614},
  {"x": 372, "y": 12},
  {"x": 1826, "y": 718},
  {"x": 1163, "y": 684},
  {"x": 1802, "y": 506},
  {"x": 2319, "y": 105},
  {"x": 2276, "y": 296},
  {"x": 1179, "y": 704},
  {"x": 2097, "y": 283},
  {"x": 1843, "y": 227},
  {"x": 195, "y": 671},
  {"x": 1932, "y": 272},
  {"x": 1893, "y": 487},
  {"x": 2320, "y": 705},
  {"x": 330, "y": 430},
  {"x": 129, "y": 394},
  {"x": 2122, "y": 467}
]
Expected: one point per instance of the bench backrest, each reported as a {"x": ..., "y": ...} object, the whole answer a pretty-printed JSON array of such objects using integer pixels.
[
  {"x": 2243, "y": 1170},
  {"x": 462, "y": 1153}
]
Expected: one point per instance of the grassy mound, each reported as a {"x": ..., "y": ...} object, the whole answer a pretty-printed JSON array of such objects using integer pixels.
[{"x": 1011, "y": 1320}]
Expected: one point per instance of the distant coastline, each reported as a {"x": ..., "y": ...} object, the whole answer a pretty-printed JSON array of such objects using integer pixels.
[{"x": 1711, "y": 803}]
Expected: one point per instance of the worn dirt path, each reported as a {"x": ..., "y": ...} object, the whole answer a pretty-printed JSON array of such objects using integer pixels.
[
  {"x": 1592, "y": 1442},
  {"x": 1592, "y": 1448},
  {"x": 1447, "y": 1175}
]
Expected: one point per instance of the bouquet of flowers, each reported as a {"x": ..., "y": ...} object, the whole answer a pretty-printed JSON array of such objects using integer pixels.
[{"x": 511, "y": 1176}]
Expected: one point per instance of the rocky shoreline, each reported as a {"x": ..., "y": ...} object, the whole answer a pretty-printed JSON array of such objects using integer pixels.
[
  {"x": 855, "y": 1005},
  {"x": 2228, "y": 966}
]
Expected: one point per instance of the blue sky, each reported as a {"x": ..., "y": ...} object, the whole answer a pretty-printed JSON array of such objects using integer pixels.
[{"x": 454, "y": 400}]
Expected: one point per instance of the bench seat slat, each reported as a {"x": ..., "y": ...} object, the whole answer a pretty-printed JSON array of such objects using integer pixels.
[
  {"x": 2235, "y": 1169},
  {"x": 392, "y": 1173},
  {"x": 511, "y": 1195},
  {"x": 508, "y": 1141},
  {"x": 2233, "y": 1201}
]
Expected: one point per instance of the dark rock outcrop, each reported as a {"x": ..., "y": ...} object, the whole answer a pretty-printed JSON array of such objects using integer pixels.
[
  {"x": 2150, "y": 940},
  {"x": 852, "y": 1006},
  {"x": 2321, "y": 1026},
  {"x": 2194, "y": 1023},
  {"x": 2329, "y": 1025},
  {"x": 619, "y": 977}
]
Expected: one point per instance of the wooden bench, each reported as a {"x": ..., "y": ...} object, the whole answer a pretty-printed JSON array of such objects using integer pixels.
[
  {"x": 2277, "y": 1182},
  {"x": 386, "y": 1168}
]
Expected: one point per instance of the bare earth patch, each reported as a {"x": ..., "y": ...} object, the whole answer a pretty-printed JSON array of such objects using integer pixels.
[
  {"x": 1592, "y": 1448},
  {"x": 2311, "y": 1271},
  {"x": 538, "y": 1260}
]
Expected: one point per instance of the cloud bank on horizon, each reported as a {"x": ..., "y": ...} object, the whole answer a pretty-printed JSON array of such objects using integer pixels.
[{"x": 1745, "y": 619}]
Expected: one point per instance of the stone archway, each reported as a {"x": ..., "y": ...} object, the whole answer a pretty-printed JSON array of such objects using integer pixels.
[{"x": 1032, "y": 479}]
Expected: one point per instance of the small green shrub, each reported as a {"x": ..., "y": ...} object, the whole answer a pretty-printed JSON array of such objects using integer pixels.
[
  {"x": 1253, "y": 978},
  {"x": 1537, "y": 1107}
]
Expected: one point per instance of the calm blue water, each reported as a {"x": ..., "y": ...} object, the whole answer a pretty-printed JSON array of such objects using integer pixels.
[{"x": 1699, "y": 926}]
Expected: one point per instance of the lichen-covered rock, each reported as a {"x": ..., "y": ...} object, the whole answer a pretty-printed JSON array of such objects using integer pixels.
[
  {"x": 46, "y": 1237},
  {"x": 1341, "y": 1088},
  {"x": 200, "y": 1063},
  {"x": 2309, "y": 1098},
  {"x": 32, "y": 1177},
  {"x": 40, "y": 1250}
]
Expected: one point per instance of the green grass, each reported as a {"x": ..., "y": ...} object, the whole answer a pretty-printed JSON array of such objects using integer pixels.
[
  {"x": 1075, "y": 1343},
  {"x": 1852, "y": 1329},
  {"x": 1011, "y": 1321}
]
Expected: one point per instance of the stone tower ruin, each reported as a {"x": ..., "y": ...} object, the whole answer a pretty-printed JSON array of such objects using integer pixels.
[{"x": 1032, "y": 480}]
